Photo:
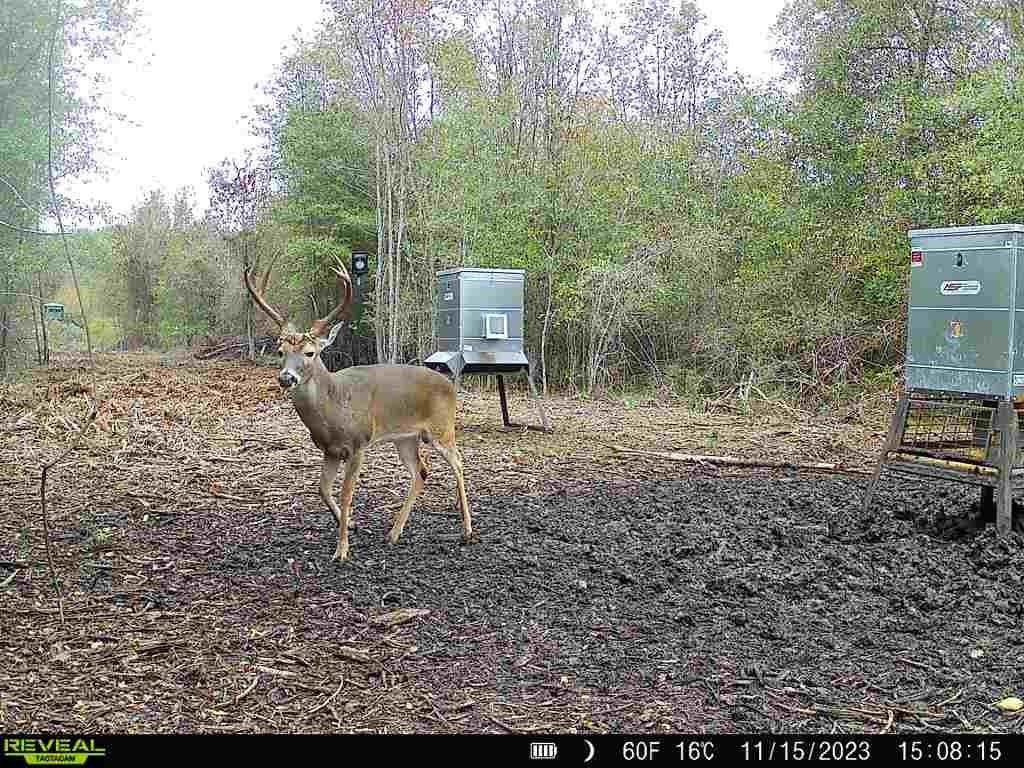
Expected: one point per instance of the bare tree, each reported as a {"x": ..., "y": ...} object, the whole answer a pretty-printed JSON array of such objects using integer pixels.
[{"x": 239, "y": 191}]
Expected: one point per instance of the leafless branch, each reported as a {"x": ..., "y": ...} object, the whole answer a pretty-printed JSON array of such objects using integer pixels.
[
  {"x": 57, "y": 26},
  {"x": 17, "y": 194},
  {"x": 25, "y": 231}
]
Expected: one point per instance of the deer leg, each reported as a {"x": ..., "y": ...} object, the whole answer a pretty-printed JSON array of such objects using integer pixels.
[
  {"x": 348, "y": 486},
  {"x": 451, "y": 454},
  {"x": 328, "y": 474},
  {"x": 409, "y": 451}
]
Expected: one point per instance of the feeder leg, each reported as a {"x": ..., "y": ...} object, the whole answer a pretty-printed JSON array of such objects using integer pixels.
[
  {"x": 892, "y": 442},
  {"x": 1007, "y": 458},
  {"x": 540, "y": 402},
  {"x": 504, "y": 401},
  {"x": 988, "y": 502}
]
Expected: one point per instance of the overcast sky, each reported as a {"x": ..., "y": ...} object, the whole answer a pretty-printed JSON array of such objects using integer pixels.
[{"x": 190, "y": 101}]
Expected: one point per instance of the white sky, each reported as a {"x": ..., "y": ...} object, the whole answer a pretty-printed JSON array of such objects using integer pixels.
[{"x": 191, "y": 100}]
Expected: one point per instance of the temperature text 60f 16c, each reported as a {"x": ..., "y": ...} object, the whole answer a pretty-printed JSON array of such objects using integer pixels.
[{"x": 688, "y": 750}]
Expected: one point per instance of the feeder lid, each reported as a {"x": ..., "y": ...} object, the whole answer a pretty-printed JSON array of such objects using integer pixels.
[
  {"x": 978, "y": 230},
  {"x": 481, "y": 270}
]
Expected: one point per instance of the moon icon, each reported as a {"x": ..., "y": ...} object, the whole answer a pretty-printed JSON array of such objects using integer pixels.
[{"x": 590, "y": 756}]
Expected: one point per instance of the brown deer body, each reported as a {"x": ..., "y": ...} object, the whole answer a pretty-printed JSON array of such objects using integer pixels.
[{"x": 351, "y": 410}]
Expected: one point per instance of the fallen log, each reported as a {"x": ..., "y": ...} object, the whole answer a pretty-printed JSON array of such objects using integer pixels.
[
  {"x": 731, "y": 461},
  {"x": 232, "y": 347}
]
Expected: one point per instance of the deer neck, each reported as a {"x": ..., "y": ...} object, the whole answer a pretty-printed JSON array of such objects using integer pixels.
[{"x": 309, "y": 397}]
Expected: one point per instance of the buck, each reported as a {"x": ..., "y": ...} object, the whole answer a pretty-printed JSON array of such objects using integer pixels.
[{"x": 354, "y": 409}]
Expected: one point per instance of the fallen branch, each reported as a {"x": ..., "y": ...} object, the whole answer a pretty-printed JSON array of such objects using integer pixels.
[
  {"x": 229, "y": 497},
  {"x": 354, "y": 654},
  {"x": 400, "y": 616},
  {"x": 329, "y": 699},
  {"x": 274, "y": 672},
  {"x": 232, "y": 347},
  {"x": 731, "y": 461},
  {"x": 248, "y": 690}
]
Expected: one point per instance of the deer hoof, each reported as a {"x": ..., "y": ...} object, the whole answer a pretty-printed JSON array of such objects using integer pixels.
[
  {"x": 393, "y": 537},
  {"x": 341, "y": 553},
  {"x": 471, "y": 538}
]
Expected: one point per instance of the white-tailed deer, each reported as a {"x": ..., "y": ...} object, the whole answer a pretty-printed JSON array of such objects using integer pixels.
[{"x": 355, "y": 408}]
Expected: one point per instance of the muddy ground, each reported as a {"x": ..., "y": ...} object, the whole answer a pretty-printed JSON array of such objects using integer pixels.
[{"x": 607, "y": 593}]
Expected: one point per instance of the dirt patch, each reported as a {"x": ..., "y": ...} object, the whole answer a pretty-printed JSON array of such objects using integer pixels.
[{"x": 605, "y": 593}]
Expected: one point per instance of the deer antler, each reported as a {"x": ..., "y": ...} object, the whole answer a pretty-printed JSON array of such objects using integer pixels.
[
  {"x": 257, "y": 296},
  {"x": 322, "y": 326}
]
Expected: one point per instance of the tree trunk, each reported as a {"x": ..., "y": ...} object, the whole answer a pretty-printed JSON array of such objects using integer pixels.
[
  {"x": 383, "y": 254},
  {"x": 3, "y": 341},
  {"x": 395, "y": 316},
  {"x": 35, "y": 330},
  {"x": 544, "y": 335},
  {"x": 390, "y": 192},
  {"x": 250, "y": 320},
  {"x": 42, "y": 323}
]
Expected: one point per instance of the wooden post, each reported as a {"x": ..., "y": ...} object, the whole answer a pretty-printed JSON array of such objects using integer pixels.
[
  {"x": 1007, "y": 416},
  {"x": 537, "y": 399},
  {"x": 892, "y": 442}
]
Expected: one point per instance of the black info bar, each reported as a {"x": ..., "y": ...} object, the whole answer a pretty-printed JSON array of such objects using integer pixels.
[{"x": 98, "y": 750}]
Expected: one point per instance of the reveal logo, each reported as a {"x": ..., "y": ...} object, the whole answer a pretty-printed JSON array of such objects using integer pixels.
[{"x": 53, "y": 751}]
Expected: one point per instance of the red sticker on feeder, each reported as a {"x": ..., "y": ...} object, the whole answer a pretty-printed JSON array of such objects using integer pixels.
[{"x": 916, "y": 259}]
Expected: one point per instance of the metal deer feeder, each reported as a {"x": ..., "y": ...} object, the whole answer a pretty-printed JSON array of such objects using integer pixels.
[
  {"x": 54, "y": 311},
  {"x": 479, "y": 329},
  {"x": 959, "y": 417}
]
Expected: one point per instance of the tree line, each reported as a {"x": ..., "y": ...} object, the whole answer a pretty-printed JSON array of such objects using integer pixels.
[{"x": 683, "y": 227}]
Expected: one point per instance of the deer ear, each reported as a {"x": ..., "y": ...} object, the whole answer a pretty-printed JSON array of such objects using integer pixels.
[{"x": 324, "y": 343}]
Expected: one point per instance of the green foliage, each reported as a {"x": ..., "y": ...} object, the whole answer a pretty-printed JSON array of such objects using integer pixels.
[
  {"x": 325, "y": 154},
  {"x": 50, "y": 99},
  {"x": 681, "y": 229}
]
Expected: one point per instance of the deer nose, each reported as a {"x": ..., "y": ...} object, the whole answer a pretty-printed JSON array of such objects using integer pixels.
[{"x": 286, "y": 379}]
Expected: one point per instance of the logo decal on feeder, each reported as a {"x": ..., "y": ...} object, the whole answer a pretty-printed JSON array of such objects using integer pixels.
[
  {"x": 917, "y": 258},
  {"x": 956, "y": 329},
  {"x": 960, "y": 288}
]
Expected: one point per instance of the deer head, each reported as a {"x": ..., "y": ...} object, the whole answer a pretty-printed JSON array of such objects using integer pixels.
[{"x": 300, "y": 351}]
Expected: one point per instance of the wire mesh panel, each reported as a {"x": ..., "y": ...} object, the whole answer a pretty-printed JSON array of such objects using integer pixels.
[{"x": 951, "y": 429}]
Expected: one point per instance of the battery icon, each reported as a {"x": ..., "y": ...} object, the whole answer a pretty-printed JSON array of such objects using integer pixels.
[{"x": 543, "y": 750}]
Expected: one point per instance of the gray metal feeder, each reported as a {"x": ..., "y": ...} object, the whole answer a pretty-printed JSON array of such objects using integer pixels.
[
  {"x": 960, "y": 415},
  {"x": 479, "y": 329}
]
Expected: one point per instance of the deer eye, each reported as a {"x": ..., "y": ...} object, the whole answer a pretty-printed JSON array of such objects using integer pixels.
[{"x": 310, "y": 354}]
